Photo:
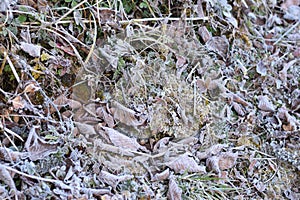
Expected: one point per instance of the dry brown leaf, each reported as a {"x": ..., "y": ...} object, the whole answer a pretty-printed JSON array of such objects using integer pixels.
[
  {"x": 32, "y": 49},
  {"x": 38, "y": 148},
  {"x": 174, "y": 191},
  {"x": 185, "y": 163},
  {"x": 121, "y": 140}
]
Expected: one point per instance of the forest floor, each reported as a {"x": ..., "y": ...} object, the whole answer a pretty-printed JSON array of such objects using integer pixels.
[{"x": 150, "y": 99}]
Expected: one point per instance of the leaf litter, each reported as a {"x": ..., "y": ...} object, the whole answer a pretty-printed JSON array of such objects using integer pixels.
[{"x": 179, "y": 108}]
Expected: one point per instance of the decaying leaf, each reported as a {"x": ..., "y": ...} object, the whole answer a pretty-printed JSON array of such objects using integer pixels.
[
  {"x": 174, "y": 192},
  {"x": 121, "y": 140},
  {"x": 185, "y": 163},
  {"x": 32, "y": 49},
  {"x": 38, "y": 148}
]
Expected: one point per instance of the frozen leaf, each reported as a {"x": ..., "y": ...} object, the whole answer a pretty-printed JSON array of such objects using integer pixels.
[
  {"x": 265, "y": 104},
  {"x": 238, "y": 109},
  {"x": 185, "y": 163},
  {"x": 293, "y": 13},
  {"x": 6, "y": 178},
  {"x": 174, "y": 192},
  {"x": 180, "y": 61},
  {"x": 231, "y": 19},
  {"x": 260, "y": 186},
  {"x": 261, "y": 68},
  {"x": 108, "y": 119},
  {"x": 287, "y": 3},
  {"x": 161, "y": 176},
  {"x": 31, "y": 88},
  {"x": 113, "y": 180},
  {"x": 199, "y": 9},
  {"x": 213, "y": 150},
  {"x": 223, "y": 161},
  {"x": 18, "y": 103},
  {"x": 120, "y": 140},
  {"x": 32, "y": 49},
  {"x": 10, "y": 155},
  {"x": 85, "y": 129},
  {"x": 220, "y": 45},
  {"x": 125, "y": 115},
  {"x": 204, "y": 33},
  {"x": 38, "y": 148},
  {"x": 227, "y": 160}
]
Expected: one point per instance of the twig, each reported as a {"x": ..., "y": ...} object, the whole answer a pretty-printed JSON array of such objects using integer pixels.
[
  {"x": 164, "y": 18},
  {"x": 287, "y": 32},
  {"x": 72, "y": 9},
  {"x": 13, "y": 69}
]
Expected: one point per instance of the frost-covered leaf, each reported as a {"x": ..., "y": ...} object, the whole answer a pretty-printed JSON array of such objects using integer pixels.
[
  {"x": 174, "y": 191},
  {"x": 220, "y": 45},
  {"x": 265, "y": 104},
  {"x": 121, "y": 140},
  {"x": 161, "y": 176},
  {"x": 113, "y": 180},
  {"x": 238, "y": 109},
  {"x": 85, "y": 129},
  {"x": 103, "y": 114},
  {"x": 293, "y": 13},
  {"x": 204, "y": 33},
  {"x": 185, "y": 163},
  {"x": 7, "y": 179},
  {"x": 32, "y": 49},
  {"x": 225, "y": 160},
  {"x": 125, "y": 115},
  {"x": 18, "y": 102},
  {"x": 38, "y": 148},
  {"x": 261, "y": 68}
]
